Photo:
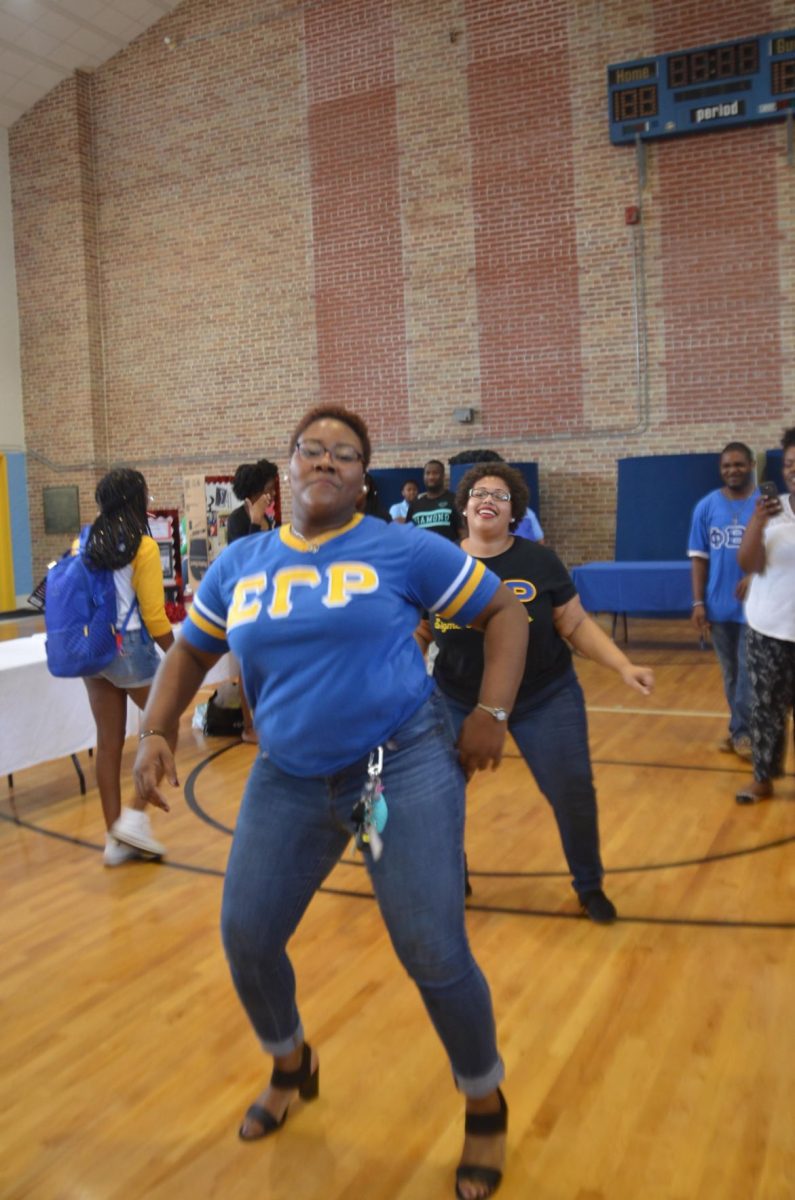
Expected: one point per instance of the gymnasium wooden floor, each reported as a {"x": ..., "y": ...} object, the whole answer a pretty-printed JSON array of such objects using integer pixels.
[{"x": 650, "y": 1060}]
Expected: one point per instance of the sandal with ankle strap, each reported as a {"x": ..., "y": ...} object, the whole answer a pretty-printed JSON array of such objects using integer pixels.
[
  {"x": 483, "y": 1125},
  {"x": 304, "y": 1079}
]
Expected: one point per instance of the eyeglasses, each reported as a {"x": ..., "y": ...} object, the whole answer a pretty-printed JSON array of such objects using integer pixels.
[
  {"x": 342, "y": 452},
  {"x": 484, "y": 493}
]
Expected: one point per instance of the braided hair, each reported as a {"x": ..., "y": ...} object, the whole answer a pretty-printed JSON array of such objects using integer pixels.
[{"x": 116, "y": 534}]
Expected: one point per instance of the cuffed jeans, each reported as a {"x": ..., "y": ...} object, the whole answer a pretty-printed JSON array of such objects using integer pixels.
[
  {"x": 551, "y": 733},
  {"x": 290, "y": 834},
  {"x": 729, "y": 639}
]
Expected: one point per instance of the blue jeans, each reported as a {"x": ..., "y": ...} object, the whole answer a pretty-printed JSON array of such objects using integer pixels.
[
  {"x": 728, "y": 638},
  {"x": 551, "y": 733},
  {"x": 290, "y": 834}
]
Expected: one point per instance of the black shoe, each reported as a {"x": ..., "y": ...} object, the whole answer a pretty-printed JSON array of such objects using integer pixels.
[
  {"x": 304, "y": 1079},
  {"x": 596, "y": 905},
  {"x": 483, "y": 1125}
]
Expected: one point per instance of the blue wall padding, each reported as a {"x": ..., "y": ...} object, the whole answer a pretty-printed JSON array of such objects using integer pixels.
[
  {"x": 528, "y": 469},
  {"x": 656, "y": 497},
  {"x": 773, "y": 463},
  {"x": 389, "y": 481},
  {"x": 20, "y": 524}
]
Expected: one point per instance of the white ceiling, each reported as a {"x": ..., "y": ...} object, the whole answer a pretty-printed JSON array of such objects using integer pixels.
[{"x": 44, "y": 41}]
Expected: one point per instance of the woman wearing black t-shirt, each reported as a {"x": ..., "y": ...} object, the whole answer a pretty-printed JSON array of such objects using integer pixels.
[
  {"x": 256, "y": 485},
  {"x": 548, "y": 720}
]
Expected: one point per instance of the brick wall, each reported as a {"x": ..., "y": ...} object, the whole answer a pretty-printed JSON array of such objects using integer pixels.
[{"x": 408, "y": 206}]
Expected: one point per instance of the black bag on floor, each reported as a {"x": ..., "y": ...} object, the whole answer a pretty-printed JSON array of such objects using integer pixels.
[{"x": 222, "y": 722}]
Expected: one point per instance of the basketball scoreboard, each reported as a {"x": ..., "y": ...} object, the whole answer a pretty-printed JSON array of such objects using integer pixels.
[{"x": 712, "y": 87}]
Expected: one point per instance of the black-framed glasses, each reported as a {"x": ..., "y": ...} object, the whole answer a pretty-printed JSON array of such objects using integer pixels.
[
  {"x": 340, "y": 452},
  {"x": 483, "y": 494}
]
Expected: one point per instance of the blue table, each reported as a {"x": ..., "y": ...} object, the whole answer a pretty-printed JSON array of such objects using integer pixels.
[{"x": 634, "y": 587}]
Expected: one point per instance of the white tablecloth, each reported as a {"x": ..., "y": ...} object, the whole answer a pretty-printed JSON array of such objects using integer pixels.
[{"x": 42, "y": 717}]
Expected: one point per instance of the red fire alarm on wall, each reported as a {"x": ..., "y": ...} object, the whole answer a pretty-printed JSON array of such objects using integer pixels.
[{"x": 632, "y": 215}]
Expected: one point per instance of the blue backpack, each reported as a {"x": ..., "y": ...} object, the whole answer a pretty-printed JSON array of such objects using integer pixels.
[{"x": 80, "y": 616}]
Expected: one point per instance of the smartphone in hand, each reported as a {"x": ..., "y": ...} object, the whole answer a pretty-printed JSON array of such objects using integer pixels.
[{"x": 769, "y": 493}]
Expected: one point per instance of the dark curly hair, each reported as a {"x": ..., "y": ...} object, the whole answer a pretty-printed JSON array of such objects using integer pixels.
[
  {"x": 514, "y": 482},
  {"x": 116, "y": 534},
  {"x": 788, "y": 438},
  {"x": 251, "y": 479},
  {"x": 335, "y": 412}
]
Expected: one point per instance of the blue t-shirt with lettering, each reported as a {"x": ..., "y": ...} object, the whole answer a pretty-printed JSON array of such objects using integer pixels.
[
  {"x": 323, "y": 631},
  {"x": 716, "y": 531}
]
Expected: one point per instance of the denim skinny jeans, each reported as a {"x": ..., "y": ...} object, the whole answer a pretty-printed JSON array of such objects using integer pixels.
[
  {"x": 291, "y": 832},
  {"x": 551, "y": 733}
]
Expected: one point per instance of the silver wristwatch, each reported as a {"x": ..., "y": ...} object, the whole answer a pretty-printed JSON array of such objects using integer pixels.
[{"x": 499, "y": 714}]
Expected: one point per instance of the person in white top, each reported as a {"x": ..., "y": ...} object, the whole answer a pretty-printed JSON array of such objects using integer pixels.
[
  {"x": 409, "y": 493},
  {"x": 768, "y": 550}
]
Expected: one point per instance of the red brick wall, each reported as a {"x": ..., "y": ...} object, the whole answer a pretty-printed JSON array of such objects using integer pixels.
[
  {"x": 60, "y": 327},
  {"x": 523, "y": 201},
  {"x": 355, "y": 197},
  {"x": 409, "y": 207}
]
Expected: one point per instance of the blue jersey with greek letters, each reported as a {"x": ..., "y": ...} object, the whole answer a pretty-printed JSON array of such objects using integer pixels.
[
  {"x": 716, "y": 531},
  {"x": 323, "y": 632}
]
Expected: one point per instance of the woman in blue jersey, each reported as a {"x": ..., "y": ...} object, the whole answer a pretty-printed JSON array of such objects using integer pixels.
[{"x": 321, "y": 615}]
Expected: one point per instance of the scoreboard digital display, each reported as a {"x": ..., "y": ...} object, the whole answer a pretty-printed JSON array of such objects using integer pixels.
[{"x": 712, "y": 87}]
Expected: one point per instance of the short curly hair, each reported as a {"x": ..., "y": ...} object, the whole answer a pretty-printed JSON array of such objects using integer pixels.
[
  {"x": 513, "y": 480},
  {"x": 788, "y": 438},
  {"x": 251, "y": 479},
  {"x": 335, "y": 412}
]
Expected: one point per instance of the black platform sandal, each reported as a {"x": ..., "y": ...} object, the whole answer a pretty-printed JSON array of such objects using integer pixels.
[
  {"x": 303, "y": 1078},
  {"x": 483, "y": 1125}
]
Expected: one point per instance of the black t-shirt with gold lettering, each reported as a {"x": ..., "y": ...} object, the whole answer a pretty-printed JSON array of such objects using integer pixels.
[{"x": 540, "y": 581}]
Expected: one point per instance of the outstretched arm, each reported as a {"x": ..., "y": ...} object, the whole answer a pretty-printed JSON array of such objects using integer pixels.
[
  {"x": 175, "y": 685},
  {"x": 573, "y": 623}
]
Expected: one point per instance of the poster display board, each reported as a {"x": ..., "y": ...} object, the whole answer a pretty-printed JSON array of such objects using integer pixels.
[
  {"x": 219, "y": 502},
  {"x": 197, "y": 559}
]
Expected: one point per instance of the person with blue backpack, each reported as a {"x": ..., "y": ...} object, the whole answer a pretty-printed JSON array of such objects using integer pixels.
[{"x": 104, "y": 612}]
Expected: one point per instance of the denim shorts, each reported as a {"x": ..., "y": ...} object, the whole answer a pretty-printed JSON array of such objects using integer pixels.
[{"x": 135, "y": 664}]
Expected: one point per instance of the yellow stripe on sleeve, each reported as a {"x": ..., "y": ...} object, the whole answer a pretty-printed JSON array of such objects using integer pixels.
[
  {"x": 466, "y": 591},
  {"x": 206, "y": 626}
]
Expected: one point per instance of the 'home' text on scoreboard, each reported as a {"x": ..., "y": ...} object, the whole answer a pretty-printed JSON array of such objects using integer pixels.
[{"x": 696, "y": 90}]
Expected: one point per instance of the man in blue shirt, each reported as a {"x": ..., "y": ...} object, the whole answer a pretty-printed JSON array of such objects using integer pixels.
[{"x": 716, "y": 530}]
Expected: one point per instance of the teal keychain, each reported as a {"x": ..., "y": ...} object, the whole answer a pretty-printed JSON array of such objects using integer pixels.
[{"x": 370, "y": 813}]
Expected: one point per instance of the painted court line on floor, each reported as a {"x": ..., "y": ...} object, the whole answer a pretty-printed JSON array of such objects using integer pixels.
[{"x": 654, "y": 712}]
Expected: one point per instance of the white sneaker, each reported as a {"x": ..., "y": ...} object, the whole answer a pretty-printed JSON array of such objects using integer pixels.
[
  {"x": 133, "y": 829},
  {"x": 115, "y": 854}
]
